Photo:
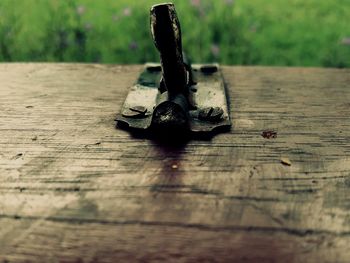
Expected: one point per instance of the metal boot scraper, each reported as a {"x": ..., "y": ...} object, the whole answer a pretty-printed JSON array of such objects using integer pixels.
[{"x": 172, "y": 95}]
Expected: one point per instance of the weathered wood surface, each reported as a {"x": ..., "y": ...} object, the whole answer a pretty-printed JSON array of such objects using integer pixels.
[{"x": 73, "y": 188}]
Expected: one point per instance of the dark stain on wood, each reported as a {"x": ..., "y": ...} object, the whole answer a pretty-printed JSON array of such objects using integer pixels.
[{"x": 269, "y": 134}]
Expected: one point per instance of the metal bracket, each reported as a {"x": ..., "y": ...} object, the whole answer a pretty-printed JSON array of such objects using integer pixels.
[{"x": 173, "y": 95}]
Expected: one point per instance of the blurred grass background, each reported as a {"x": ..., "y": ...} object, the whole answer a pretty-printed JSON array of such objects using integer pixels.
[{"x": 255, "y": 32}]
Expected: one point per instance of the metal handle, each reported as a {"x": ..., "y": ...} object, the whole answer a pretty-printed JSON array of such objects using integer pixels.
[{"x": 166, "y": 33}]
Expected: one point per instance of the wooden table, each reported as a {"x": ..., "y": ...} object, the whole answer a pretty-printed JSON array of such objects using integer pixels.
[{"x": 73, "y": 188}]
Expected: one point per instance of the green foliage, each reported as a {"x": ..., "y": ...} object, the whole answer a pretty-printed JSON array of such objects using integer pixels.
[{"x": 256, "y": 32}]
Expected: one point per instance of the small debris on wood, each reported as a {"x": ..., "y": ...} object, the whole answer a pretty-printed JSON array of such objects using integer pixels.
[
  {"x": 174, "y": 166},
  {"x": 96, "y": 143},
  {"x": 269, "y": 134},
  {"x": 286, "y": 161},
  {"x": 34, "y": 138},
  {"x": 17, "y": 156}
]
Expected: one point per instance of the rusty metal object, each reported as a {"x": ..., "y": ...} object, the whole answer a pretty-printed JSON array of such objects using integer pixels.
[
  {"x": 173, "y": 95},
  {"x": 166, "y": 33},
  {"x": 209, "y": 92}
]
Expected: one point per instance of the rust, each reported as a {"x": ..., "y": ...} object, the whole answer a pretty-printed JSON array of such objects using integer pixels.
[{"x": 269, "y": 134}]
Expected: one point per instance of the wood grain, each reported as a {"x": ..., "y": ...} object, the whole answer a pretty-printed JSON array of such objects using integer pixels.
[{"x": 73, "y": 188}]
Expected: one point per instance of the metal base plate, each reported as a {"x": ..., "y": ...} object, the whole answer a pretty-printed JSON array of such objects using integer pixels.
[{"x": 209, "y": 105}]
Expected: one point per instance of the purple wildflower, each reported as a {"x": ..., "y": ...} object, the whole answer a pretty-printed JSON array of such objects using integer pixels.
[
  {"x": 253, "y": 28},
  {"x": 80, "y": 10},
  {"x": 196, "y": 3},
  {"x": 115, "y": 18},
  {"x": 127, "y": 11},
  {"x": 88, "y": 26},
  {"x": 346, "y": 41},
  {"x": 133, "y": 45},
  {"x": 215, "y": 50}
]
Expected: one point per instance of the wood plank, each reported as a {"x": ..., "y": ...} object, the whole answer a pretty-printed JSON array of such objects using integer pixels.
[{"x": 73, "y": 188}]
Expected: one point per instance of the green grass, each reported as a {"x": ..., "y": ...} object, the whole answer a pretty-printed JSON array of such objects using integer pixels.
[{"x": 255, "y": 32}]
